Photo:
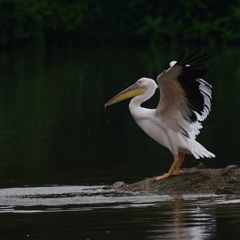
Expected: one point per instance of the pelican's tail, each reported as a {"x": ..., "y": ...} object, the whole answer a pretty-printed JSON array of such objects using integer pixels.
[{"x": 198, "y": 151}]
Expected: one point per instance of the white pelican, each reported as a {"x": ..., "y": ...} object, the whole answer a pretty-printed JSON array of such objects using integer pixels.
[{"x": 184, "y": 103}]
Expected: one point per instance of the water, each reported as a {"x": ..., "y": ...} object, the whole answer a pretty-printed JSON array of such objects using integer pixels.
[
  {"x": 97, "y": 212},
  {"x": 59, "y": 149}
]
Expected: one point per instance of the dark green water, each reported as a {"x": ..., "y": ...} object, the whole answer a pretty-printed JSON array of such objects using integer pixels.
[{"x": 54, "y": 131}]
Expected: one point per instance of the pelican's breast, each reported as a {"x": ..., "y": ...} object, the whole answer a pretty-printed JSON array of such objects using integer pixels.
[{"x": 147, "y": 121}]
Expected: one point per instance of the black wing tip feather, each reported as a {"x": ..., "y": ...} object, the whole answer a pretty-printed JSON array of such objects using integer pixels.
[
  {"x": 197, "y": 90},
  {"x": 194, "y": 59},
  {"x": 194, "y": 65},
  {"x": 181, "y": 56}
]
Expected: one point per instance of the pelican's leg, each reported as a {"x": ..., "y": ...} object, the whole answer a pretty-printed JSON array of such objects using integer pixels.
[
  {"x": 171, "y": 170},
  {"x": 178, "y": 169}
]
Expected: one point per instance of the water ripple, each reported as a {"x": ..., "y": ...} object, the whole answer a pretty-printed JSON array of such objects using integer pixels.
[{"x": 85, "y": 198}]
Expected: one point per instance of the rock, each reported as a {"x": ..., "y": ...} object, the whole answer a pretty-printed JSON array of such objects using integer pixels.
[
  {"x": 197, "y": 180},
  {"x": 224, "y": 190},
  {"x": 229, "y": 170},
  {"x": 200, "y": 166},
  {"x": 232, "y": 180}
]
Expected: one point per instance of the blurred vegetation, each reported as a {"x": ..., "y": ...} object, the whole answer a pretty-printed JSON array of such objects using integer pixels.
[{"x": 72, "y": 22}]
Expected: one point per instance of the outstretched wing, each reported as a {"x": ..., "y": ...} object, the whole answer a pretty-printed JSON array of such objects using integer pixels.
[{"x": 185, "y": 97}]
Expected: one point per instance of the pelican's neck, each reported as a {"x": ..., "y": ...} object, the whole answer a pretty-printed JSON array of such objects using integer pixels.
[{"x": 138, "y": 100}]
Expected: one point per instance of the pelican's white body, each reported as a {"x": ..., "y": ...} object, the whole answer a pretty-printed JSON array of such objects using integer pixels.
[
  {"x": 185, "y": 101},
  {"x": 158, "y": 127}
]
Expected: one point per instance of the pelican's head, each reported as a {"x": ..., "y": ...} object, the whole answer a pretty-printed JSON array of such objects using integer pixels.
[{"x": 138, "y": 88}]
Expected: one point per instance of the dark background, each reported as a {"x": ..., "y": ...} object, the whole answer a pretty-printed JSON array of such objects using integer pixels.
[
  {"x": 60, "y": 61},
  {"x": 74, "y": 22}
]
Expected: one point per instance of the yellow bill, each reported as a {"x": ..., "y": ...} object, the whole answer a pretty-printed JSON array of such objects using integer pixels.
[{"x": 129, "y": 92}]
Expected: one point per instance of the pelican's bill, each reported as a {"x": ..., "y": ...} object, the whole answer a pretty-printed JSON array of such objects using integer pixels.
[{"x": 129, "y": 92}]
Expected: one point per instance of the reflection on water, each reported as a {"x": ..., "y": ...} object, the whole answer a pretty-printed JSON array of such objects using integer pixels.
[
  {"x": 191, "y": 223},
  {"x": 55, "y": 132}
]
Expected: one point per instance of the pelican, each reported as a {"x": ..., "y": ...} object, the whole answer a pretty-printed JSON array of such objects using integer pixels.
[{"x": 185, "y": 101}]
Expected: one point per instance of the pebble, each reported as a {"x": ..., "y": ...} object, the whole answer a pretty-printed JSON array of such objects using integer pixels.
[{"x": 119, "y": 184}]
